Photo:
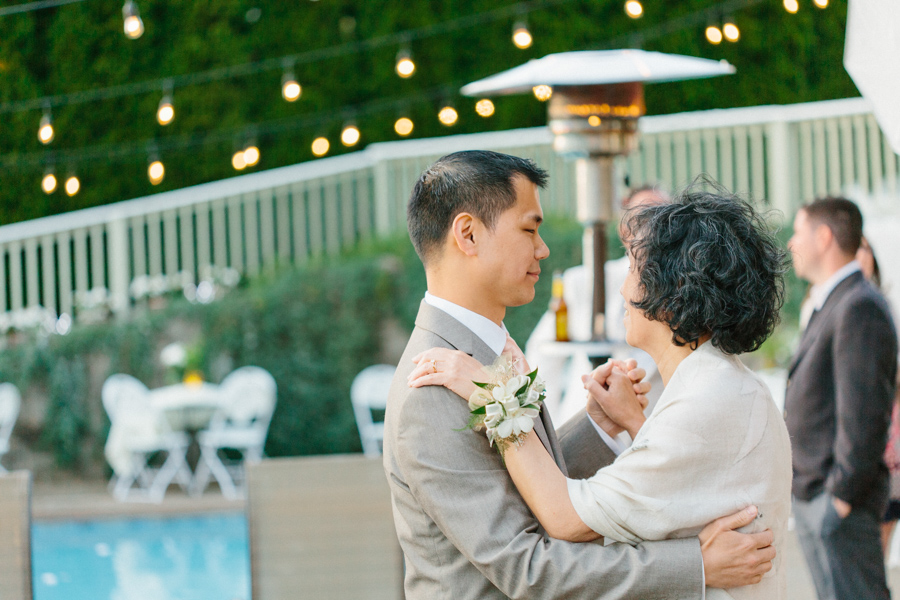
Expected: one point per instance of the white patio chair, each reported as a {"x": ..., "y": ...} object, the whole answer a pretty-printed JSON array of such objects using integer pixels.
[
  {"x": 138, "y": 432},
  {"x": 10, "y": 402},
  {"x": 368, "y": 392},
  {"x": 241, "y": 424}
]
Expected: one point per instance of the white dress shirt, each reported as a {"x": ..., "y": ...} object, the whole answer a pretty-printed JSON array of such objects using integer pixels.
[
  {"x": 819, "y": 293},
  {"x": 489, "y": 332}
]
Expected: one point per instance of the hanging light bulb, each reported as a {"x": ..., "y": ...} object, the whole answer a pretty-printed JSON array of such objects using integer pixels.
[
  {"x": 48, "y": 183},
  {"x": 72, "y": 185},
  {"x": 634, "y": 9},
  {"x": 521, "y": 36},
  {"x": 45, "y": 130},
  {"x": 594, "y": 121},
  {"x": 448, "y": 116},
  {"x": 821, "y": 3},
  {"x": 405, "y": 66},
  {"x": 792, "y": 6},
  {"x": 134, "y": 27},
  {"x": 290, "y": 89},
  {"x": 165, "y": 112},
  {"x": 238, "y": 161},
  {"x": 714, "y": 35},
  {"x": 251, "y": 155},
  {"x": 731, "y": 31},
  {"x": 320, "y": 146},
  {"x": 156, "y": 171},
  {"x": 350, "y": 135},
  {"x": 484, "y": 107},
  {"x": 542, "y": 92},
  {"x": 403, "y": 126}
]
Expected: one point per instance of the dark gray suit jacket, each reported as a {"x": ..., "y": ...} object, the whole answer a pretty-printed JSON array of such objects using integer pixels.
[
  {"x": 464, "y": 529},
  {"x": 838, "y": 405}
]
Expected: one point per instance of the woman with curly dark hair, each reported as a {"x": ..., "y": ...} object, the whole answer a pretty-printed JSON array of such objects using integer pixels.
[{"x": 705, "y": 284}]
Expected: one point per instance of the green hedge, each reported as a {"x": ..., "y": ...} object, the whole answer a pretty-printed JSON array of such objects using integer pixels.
[{"x": 313, "y": 328}]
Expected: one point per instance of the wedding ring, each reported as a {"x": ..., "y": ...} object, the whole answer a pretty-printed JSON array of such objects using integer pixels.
[{"x": 433, "y": 366}]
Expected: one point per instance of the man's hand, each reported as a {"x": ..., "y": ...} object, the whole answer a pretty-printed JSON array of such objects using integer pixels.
[
  {"x": 841, "y": 507},
  {"x": 732, "y": 559},
  {"x": 601, "y": 376}
]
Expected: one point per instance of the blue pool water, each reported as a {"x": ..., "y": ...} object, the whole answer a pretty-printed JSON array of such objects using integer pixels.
[{"x": 186, "y": 558}]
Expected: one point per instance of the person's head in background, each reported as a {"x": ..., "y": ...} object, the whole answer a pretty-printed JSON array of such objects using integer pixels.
[
  {"x": 865, "y": 256},
  {"x": 645, "y": 195},
  {"x": 827, "y": 234}
]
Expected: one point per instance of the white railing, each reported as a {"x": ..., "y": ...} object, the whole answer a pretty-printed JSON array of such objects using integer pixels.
[{"x": 784, "y": 154}]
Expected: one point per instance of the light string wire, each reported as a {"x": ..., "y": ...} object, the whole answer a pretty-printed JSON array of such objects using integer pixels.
[
  {"x": 124, "y": 151},
  {"x": 31, "y": 6}
]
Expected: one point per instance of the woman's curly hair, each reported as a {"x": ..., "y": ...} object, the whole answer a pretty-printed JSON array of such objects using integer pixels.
[{"x": 708, "y": 265}]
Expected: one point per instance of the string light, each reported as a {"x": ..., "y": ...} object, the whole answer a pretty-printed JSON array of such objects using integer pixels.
[
  {"x": 792, "y": 6},
  {"x": 72, "y": 185},
  {"x": 448, "y": 116},
  {"x": 403, "y": 126},
  {"x": 542, "y": 92},
  {"x": 634, "y": 9},
  {"x": 290, "y": 89},
  {"x": 821, "y": 3},
  {"x": 405, "y": 66},
  {"x": 238, "y": 161},
  {"x": 133, "y": 25},
  {"x": 484, "y": 107},
  {"x": 714, "y": 34},
  {"x": 594, "y": 121},
  {"x": 350, "y": 135},
  {"x": 320, "y": 146},
  {"x": 521, "y": 36},
  {"x": 731, "y": 31},
  {"x": 45, "y": 130},
  {"x": 156, "y": 171},
  {"x": 165, "y": 112},
  {"x": 48, "y": 183},
  {"x": 251, "y": 155}
]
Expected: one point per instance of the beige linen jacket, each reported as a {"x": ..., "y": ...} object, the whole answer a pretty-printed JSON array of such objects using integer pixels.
[
  {"x": 465, "y": 531},
  {"x": 714, "y": 444}
]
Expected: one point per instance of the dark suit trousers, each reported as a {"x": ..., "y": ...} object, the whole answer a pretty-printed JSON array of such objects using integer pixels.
[{"x": 844, "y": 555}]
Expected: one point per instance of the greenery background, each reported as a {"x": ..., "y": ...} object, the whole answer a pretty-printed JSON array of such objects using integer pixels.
[
  {"x": 316, "y": 326},
  {"x": 780, "y": 58}
]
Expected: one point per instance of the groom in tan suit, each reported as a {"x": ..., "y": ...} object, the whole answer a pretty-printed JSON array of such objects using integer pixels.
[{"x": 465, "y": 532}]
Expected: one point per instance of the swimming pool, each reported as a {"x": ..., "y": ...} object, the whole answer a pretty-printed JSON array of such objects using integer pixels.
[{"x": 185, "y": 558}]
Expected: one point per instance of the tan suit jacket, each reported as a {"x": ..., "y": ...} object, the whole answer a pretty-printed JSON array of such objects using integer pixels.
[{"x": 465, "y": 531}]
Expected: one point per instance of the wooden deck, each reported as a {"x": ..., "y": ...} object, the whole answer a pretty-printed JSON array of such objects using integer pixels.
[{"x": 322, "y": 525}]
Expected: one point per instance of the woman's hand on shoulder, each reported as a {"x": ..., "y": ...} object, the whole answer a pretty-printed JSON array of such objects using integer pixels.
[{"x": 453, "y": 369}]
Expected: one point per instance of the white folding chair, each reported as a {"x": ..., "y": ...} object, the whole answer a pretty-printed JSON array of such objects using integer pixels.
[
  {"x": 10, "y": 402},
  {"x": 368, "y": 392},
  {"x": 138, "y": 432},
  {"x": 241, "y": 423}
]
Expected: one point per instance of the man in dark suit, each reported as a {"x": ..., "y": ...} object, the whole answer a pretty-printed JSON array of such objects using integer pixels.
[{"x": 838, "y": 405}]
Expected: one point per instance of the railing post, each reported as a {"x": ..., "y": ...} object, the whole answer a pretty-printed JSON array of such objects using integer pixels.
[
  {"x": 119, "y": 262},
  {"x": 779, "y": 166}
]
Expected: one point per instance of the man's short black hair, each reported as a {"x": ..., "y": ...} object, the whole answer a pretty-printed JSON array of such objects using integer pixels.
[
  {"x": 842, "y": 217},
  {"x": 707, "y": 265},
  {"x": 478, "y": 182}
]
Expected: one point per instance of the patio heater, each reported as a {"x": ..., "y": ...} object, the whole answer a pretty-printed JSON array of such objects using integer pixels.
[{"x": 597, "y": 99}]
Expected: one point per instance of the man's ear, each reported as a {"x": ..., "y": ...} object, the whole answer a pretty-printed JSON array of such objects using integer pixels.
[
  {"x": 824, "y": 236},
  {"x": 463, "y": 230}
]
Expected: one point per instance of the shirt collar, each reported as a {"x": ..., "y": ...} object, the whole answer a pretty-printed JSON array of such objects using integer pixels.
[
  {"x": 819, "y": 293},
  {"x": 489, "y": 332}
]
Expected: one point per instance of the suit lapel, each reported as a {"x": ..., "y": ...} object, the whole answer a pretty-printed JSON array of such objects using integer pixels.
[
  {"x": 821, "y": 319},
  {"x": 464, "y": 339}
]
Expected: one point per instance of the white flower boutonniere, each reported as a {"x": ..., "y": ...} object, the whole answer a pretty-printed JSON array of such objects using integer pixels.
[{"x": 506, "y": 405}]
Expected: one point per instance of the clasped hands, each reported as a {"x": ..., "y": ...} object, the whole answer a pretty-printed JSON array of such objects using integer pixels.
[{"x": 617, "y": 396}]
